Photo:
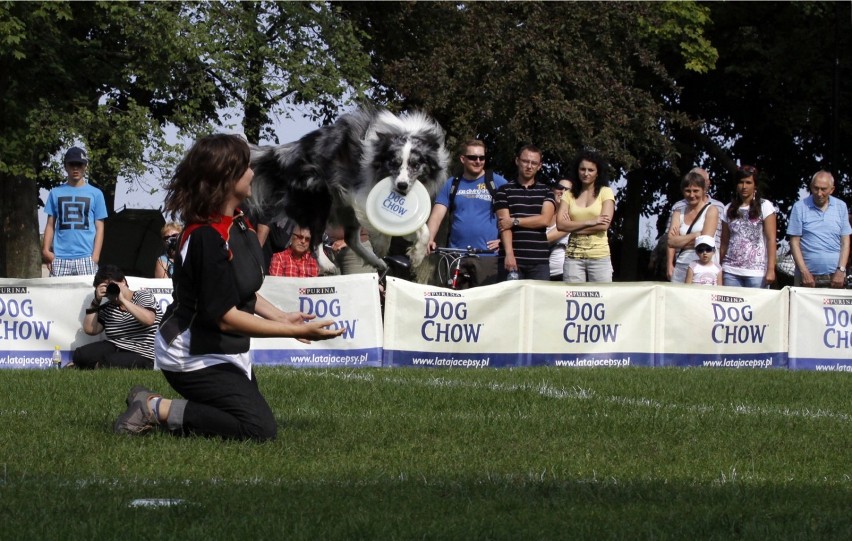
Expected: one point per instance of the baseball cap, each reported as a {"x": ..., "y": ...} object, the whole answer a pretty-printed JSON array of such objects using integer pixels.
[
  {"x": 706, "y": 240},
  {"x": 76, "y": 155}
]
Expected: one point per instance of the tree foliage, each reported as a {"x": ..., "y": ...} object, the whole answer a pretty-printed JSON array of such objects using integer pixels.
[
  {"x": 779, "y": 97},
  {"x": 268, "y": 56}
]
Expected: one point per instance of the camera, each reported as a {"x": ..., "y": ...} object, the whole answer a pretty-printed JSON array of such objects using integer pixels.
[
  {"x": 112, "y": 291},
  {"x": 171, "y": 243}
]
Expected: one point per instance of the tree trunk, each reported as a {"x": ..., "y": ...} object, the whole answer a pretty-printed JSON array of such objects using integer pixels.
[
  {"x": 20, "y": 248},
  {"x": 631, "y": 214}
]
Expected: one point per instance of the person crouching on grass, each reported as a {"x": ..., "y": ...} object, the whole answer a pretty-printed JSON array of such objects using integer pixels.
[
  {"x": 704, "y": 271},
  {"x": 202, "y": 346},
  {"x": 128, "y": 318}
]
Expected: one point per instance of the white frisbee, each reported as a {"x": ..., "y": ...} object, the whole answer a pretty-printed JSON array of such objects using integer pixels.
[{"x": 395, "y": 214}]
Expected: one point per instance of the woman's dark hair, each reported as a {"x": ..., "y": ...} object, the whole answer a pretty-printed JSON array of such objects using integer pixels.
[
  {"x": 203, "y": 179},
  {"x": 603, "y": 176},
  {"x": 737, "y": 200},
  {"x": 110, "y": 273}
]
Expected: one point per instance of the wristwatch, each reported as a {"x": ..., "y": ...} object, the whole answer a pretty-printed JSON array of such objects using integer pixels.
[
  {"x": 515, "y": 222},
  {"x": 841, "y": 269}
]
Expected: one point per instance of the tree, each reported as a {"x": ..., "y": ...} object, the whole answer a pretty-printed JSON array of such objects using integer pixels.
[
  {"x": 266, "y": 56},
  {"x": 777, "y": 99},
  {"x": 102, "y": 73}
]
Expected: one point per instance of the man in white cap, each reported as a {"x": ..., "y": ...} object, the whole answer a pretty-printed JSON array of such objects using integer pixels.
[{"x": 75, "y": 212}]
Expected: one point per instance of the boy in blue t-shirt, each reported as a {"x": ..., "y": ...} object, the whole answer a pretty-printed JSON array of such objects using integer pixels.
[{"x": 75, "y": 212}]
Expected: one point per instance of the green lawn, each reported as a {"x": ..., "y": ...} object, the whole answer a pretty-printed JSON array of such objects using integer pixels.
[{"x": 442, "y": 454}]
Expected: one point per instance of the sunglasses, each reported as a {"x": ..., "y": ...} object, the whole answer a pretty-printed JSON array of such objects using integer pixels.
[
  {"x": 304, "y": 238},
  {"x": 748, "y": 169},
  {"x": 170, "y": 237},
  {"x": 562, "y": 187},
  {"x": 703, "y": 249},
  {"x": 475, "y": 157}
]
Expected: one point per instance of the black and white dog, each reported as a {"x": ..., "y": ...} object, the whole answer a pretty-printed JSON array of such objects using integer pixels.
[{"x": 326, "y": 175}]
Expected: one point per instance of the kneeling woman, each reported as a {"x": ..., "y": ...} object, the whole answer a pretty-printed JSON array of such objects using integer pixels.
[
  {"x": 202, "y": 346},
  {"x": 128, "y": 318}
]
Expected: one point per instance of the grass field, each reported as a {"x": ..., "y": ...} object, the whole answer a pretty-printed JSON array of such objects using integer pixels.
[{"x": 419, "y": 454}]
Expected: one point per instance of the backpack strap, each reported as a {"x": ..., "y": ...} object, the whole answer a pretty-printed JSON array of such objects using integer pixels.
[{"x": 489, "y": 184}]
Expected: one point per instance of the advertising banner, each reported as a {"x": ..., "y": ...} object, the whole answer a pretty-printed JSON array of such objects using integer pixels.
[
  {"x": 731, "y": 327},
  {"x": 39, "y": 314},
  {"x": 587, "y": 325},
  {"x": 432, "y": 326},
  {"x": 352, "y": 302},
  {"x": 820, "y": 329}
]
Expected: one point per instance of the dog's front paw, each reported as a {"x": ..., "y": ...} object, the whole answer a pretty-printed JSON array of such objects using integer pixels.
[{"x": 417, "y": 253}]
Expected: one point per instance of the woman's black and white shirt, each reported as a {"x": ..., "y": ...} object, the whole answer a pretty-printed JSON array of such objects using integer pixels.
[
  {"x": 125, "y": 331},
  {"x": 219, "y": 266}
]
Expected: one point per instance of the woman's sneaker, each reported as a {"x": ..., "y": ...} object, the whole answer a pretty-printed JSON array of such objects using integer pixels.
[
  {"x": 138, "y": 419},
  {"x": 138, "y": 392}
]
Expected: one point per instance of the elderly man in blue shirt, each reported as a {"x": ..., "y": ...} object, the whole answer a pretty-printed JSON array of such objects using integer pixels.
[{"x": 819, "y": 236}]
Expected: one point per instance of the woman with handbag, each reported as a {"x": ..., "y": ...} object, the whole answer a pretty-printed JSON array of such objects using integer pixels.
[{"x": 699, "y": 217}]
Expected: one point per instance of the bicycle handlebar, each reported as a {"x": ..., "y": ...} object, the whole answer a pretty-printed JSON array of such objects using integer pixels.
[{"x": 462, "y": 251}]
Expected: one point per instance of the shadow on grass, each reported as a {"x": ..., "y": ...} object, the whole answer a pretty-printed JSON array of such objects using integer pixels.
[{"x": 489, "y": 508}]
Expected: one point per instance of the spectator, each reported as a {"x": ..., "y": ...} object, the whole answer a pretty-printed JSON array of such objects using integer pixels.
[
  {"x": 555, "y": 238},
  {"x": 819, "y": 236},
  {"x": 524, "y": 210},
  {"x": 128, "y": 318},
  {"x": 704, "y": 270},
  {"x": 748, "y": 243},
  {"x": 698, "y": 217},
  {"x": 75, "y": 212},
  {"x": 348, "y": 261},
  {"x": 295, "y": 261},
  {"x": 586, "y": 213},
  {"x": 165, "y": 265},
  {"x": 469, "y": 200},
  {"x": 202, "y": 346},
  {"x": 682, "y": 203}
]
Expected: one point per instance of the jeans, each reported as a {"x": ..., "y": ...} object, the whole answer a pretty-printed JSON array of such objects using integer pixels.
[
  {"x": 587, "y": 270},
  {"x": 742, "y": 281},
  {"x": 535, "y": 271}
]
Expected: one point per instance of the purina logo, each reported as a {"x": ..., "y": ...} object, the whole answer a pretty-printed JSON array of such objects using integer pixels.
[
  {"x": 317, "y": 290},
  {"x": 578, "y": 294},
  {"x": 837, "y": 301},
  {"x": 725, "y": 298},
  {"x": 441, "y": 294},
  {"x": 13, "y": 290}
]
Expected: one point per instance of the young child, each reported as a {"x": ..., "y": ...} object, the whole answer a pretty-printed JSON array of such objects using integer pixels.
[{"x": 704, "y": 271}]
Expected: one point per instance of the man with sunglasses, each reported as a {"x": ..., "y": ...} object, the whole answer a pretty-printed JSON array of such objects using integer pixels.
[
  {"x": 469, "y": 201},
  {"x": 295, "y": 261},
  {"x": 819, "y": 236}
]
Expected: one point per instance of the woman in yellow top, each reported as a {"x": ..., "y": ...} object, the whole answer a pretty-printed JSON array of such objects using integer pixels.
[{"x": 586, "y": 212}]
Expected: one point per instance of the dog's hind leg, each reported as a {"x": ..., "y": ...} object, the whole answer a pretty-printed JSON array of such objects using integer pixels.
[
  {"x": 353, "y": 241},
  {"x": 325, "y": 264},
  {"x": 417, "y": 250}
]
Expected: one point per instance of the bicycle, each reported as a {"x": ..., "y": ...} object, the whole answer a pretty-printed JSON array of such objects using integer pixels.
[{"x": 450, "y": 273}]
